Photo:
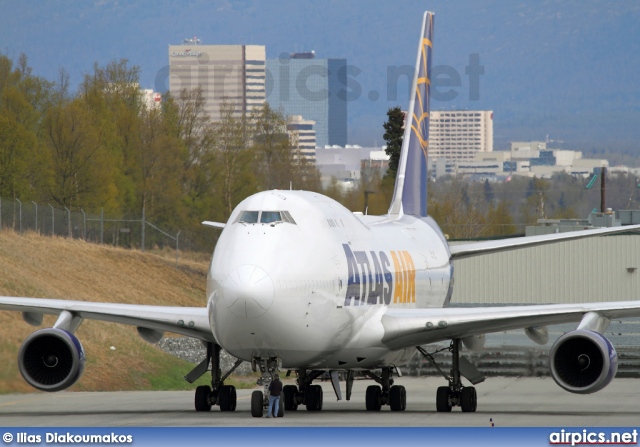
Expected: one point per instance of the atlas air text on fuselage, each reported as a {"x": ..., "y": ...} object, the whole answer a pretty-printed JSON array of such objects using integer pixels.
[{"x": 379, "y": 277}]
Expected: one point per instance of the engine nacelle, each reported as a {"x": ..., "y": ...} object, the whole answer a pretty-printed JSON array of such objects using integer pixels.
[
  {"x": 583, "y": 361},
  {"x": 475, "y": 342},
  {"x": 51, "y": 359}
]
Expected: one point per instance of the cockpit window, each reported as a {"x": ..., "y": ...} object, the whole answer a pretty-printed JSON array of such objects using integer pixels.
[
  {"x": 265, "y": 217},
  {"x": 270, "y": 216},
  {"x": 249, "y": 217},
  {"x": 287, "y": 217}
]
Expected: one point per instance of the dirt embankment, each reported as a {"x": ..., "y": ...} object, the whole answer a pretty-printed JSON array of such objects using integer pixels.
[{"x": 117, "y": 358}]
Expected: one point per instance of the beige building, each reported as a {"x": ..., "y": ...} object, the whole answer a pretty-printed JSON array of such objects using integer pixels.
[
  {"x": 233, "y": 74},
  {"x": 303, "y": 136},
  {"x": 458, "y": 135}
]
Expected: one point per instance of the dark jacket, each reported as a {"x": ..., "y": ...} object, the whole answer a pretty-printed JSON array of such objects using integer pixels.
[{"x": 275, "y": 388}]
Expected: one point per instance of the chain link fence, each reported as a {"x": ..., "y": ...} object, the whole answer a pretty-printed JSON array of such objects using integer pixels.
[{"x": 22, "y": 216}]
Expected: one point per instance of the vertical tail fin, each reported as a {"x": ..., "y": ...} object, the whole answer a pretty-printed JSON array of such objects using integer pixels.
[{"x": 410, "y": 194}]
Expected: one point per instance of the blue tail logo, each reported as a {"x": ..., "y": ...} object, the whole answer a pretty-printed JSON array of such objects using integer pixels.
[{"x": 410, "y": 195}]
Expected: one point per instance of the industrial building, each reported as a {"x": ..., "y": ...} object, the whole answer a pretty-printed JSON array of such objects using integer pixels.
[
  {"x": 586, "y": 270},
  {"x": 529, "y": 159}
]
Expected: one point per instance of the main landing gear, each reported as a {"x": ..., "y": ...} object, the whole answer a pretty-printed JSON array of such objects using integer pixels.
[
  {"x": 260, "y": 399},
  {"x": 304, "y": 393},
  {"x": 386, "y": 393},
  {"x": 218, "y": 393},
  {"x": 455, "y": 394}
]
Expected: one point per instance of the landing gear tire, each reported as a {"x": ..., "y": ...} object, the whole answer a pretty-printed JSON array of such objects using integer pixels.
[
  {"x": 257, "y": 404},
  {"x": 281, "y": 407},
  {"x": 372, "y": 398},
  {"x": 228, "y": 398},
  {"x": 313, "y": 397},
  {"x": 443, "y": 405},
  {"x": 468, "y": 399},
  {"x": 289, "y": 397},
  {"x": 201, "y": 400},
  {"x": 397, "y": 398}
]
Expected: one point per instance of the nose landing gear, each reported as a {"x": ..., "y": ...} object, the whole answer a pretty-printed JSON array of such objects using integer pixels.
[{"x": 260, "y": 399}]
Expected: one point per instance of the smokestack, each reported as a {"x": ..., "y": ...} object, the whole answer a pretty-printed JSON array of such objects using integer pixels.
[{"x": 603, "y": 190}]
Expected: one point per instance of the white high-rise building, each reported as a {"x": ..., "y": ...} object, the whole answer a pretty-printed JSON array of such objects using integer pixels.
[
  {"x": 233, "y": 74},
  {"x": 303, "y": 135},
  {"x": 151, "y": 99},
  {"x": 458, "y": 135}
]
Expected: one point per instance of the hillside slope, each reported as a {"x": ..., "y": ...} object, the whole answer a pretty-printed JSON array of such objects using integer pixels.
[{"x": 117, "y": 358}]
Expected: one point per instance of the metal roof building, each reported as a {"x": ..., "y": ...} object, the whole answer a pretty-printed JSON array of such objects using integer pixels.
[{"x": 587, "y": 270}]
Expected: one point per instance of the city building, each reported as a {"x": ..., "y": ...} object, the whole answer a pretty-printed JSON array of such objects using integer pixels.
[
  {"x": 345, "y": 164},
  {"x": 303, "y": 136},
  {"x": 530, "y": 159},
  {"x": 544, "y": 162},
  {"x": 458, "y": 135},
  {"x": 300, "y": 84},
  {"x": 151, "y": 99},
  {"x": 232, "y": 74}
]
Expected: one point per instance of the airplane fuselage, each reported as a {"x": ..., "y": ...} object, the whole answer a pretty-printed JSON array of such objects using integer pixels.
[{"x": 297, "y": 276}]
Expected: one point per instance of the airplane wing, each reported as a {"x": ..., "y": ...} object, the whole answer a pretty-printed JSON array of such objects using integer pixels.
[
  {"x": 405, "y": 328},
  {"x": 460, "y": 251},
  {"x": 151, "y": 321}
]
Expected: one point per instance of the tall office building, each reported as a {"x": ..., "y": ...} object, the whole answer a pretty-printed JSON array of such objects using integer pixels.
[
  {"x": 314, "y": 89},
  {"x": 458, "y": 135},
  {"x": 226, "y": 73}
]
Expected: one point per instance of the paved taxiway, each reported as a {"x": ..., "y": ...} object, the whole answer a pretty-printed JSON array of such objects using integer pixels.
[{"x": 507, "y": 401}]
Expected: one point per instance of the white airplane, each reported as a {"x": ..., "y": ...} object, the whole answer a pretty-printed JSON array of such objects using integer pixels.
[{"x": 299, "y": 282}]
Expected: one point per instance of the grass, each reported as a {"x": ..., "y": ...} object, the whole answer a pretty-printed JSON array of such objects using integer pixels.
[{"x": 117, "y": 358}]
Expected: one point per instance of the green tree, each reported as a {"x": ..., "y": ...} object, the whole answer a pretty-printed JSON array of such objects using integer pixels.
[
  {"x": 186, "y": 118},
  {"x": 279, "y": 161},
  {"x": 393, "y": 132},
  {"x": 24, "y": 98},
  {"x": 155, "y": 167},
  {"x": 459, "y": 210},
  {"x": 192, "y": 123},
  {"x": 112, "y": 94},
  {"x": 273, "y": 148},
  {"x": 234, "y": 159},
  {"x": 16, "y": 148},
  {"x": 82, "y": 170},
  {"x": 499, "y": 220},
  {"x": 536, "y": 204}
]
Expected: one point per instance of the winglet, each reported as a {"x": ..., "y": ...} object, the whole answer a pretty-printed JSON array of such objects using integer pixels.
[
  {"x": 208, "y": 223},
  {"x": 410, "y": 194}
]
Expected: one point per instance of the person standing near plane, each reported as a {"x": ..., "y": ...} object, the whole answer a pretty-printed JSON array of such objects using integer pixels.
[{"x": 275, "y": 390}]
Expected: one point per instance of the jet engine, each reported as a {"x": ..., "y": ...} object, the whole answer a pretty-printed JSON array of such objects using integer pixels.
[
  {"x": 51, "y": 359},
  {"x": 583, "y": 361}
]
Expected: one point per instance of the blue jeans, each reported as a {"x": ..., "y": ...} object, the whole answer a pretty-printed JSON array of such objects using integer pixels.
[{"x": 274, "y": 405}]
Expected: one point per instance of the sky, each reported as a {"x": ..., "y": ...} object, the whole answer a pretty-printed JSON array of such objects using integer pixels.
[{"x": 566, "y": 69}]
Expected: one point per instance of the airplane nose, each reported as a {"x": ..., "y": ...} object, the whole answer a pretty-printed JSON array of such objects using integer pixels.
[{"x": 248, "y": 291}]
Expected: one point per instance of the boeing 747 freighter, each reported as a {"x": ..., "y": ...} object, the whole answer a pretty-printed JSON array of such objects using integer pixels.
[{"x": 299, "y": 283}]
